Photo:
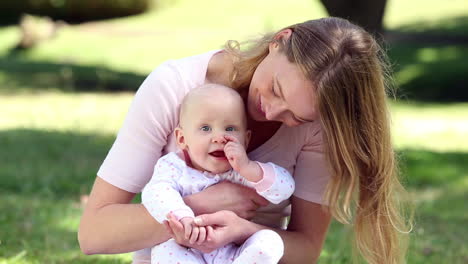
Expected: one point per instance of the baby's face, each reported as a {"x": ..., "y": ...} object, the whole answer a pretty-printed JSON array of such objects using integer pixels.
[{"x": 206, "y": 124}]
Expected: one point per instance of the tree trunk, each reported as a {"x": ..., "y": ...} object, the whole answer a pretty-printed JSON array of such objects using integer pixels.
[{"x": 365, "y": 13}]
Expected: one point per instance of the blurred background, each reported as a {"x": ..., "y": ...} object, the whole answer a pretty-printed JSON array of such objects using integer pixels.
[{"x": 69, "y": 68}]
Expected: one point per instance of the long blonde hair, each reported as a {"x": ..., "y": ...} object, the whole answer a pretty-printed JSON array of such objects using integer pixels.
[{"x": 349, "y": 72}]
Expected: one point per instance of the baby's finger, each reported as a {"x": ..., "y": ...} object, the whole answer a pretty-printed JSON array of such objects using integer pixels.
[
  {"x": 168, "y": 228},
  {"x": 201, "y": 235},
  {"x": 230, "y": 138},
  {"x": 194, "y": 235},
  {"x": 176, "y": 226}
]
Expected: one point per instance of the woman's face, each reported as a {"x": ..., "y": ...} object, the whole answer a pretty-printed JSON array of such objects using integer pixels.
[{"x": 280, "y": 92}]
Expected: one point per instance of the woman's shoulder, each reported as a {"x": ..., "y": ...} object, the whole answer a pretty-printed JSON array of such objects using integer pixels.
[{"x": 189, "y": 71}]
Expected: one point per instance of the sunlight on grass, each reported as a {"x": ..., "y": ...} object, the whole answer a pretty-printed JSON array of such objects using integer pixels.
[
  {"x": 53, "y": 142},
  {"x": 425, "y": 126},
  {"x": 431, "y": 126},
  {"x": 402, "y": 12},
  {"x": 85, "y": 112}
]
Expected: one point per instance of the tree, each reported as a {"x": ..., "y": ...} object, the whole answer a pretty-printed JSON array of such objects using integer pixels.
[{"x": 366, "y": 13}]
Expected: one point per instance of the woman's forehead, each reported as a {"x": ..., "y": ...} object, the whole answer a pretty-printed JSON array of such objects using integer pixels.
[{"x": 298, "y": 92}]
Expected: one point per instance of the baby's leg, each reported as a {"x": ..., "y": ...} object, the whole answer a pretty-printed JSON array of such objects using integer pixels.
[
  {"x": 263, "y": 247},
  {"x": 225, "y": 255},
  {"x": 171, "y": 252}
]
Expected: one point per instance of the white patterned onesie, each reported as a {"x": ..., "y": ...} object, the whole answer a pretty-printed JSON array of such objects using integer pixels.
[{"x": 173, "y": 179}]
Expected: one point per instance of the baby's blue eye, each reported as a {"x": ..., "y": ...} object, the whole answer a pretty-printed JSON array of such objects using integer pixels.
[
  {"x": 230, "y": 129},
  {"x": 205, "y": 128}
]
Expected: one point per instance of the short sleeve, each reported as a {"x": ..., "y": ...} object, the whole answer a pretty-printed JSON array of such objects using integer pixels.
[
  {"x": 311, "y": 173},
  {"x": 152, "y": 116}
]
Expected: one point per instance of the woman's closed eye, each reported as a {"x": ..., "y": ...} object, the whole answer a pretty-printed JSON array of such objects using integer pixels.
[{"x": 273, "y": 89}]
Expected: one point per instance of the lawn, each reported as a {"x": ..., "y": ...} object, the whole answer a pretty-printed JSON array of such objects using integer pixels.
[{"x": 57, "y": 122}]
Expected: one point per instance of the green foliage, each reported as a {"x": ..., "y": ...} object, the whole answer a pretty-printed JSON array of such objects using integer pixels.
[
  {"x": 16, "y": 72},
  {"x": 72, "y": 10},
  {"x": 53, "y": 143},
  {"x": 430, "y": 59},
  {"x": 54, "y": 134}
]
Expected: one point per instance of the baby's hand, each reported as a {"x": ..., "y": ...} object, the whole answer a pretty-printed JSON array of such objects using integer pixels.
[
  {"x": 192, "y": 232},
  {"x": 237, "y": 157},
  {"x": 235, "y": 153}
]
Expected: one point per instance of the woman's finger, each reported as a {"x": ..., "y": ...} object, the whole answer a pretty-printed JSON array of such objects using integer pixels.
[
  {"x": 209, "y": 233},
  {"x": 201, "y": 235},
  {"x": 194, "y": 235},
  {"x": 259, "y": 200},
  {"x": 215, "y": 219}
]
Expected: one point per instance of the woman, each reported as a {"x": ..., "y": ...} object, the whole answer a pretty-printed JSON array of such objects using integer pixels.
[{"x": 325, "y": 81}]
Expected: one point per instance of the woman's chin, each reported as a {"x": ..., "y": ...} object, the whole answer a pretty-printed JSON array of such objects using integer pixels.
[{"x": 256, "y": 116}]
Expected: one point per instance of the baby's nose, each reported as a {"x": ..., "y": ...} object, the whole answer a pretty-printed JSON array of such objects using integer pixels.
[{"x": 219, "y": 139}]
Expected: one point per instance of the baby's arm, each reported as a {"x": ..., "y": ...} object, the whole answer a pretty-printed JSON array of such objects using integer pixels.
[
  {"x": 237, "y": 157},
  {"x": 161, "y": 195},
  {"x": 277, "y": 184},
  {"x": 272, "y": 182}
]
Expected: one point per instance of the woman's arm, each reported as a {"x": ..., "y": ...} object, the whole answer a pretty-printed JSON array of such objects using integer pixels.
[
  {"x": 303, "y": 240},
  {"x": 111, "y": 225},
  {"x": 306, "y": 232}
]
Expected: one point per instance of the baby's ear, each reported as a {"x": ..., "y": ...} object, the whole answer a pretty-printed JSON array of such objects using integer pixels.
[
  {"x": 248, "y": 134},
  {"x": 180, "y": 139}
]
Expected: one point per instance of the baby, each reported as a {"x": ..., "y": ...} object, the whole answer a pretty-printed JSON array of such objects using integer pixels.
[{"x": 213, "y": 136}]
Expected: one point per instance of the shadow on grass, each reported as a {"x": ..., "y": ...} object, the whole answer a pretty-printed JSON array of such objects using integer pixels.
[
  {"x": 438, "y": 184},
  {"x": 50, "y": 164},
  {"x": 17, "y": 72},
  {"x": 430, "y": 59},
  {"x": 43, "y": 174},
  {"x": 439, "y": 234},
  {"x": 64, "y": 164},
  {"x": 431, "y": 73},
  {"x": 422, "y": 169},
  {"x": 451, "y": 30}
]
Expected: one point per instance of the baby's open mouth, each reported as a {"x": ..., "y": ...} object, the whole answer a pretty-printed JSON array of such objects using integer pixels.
[{"x": 218, "y": 154}]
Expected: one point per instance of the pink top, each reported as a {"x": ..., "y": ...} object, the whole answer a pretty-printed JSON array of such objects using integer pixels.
[{"x": 148, "y": 133}]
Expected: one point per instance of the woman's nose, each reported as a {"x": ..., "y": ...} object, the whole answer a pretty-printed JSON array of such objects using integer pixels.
[{"x": 274, "y": 112}]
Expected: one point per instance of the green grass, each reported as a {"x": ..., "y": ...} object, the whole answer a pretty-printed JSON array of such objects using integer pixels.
[
  {"x": 117, "y": 54},
  {"x": 55, "y": 132},
  {"x": 54, "y": 142}
]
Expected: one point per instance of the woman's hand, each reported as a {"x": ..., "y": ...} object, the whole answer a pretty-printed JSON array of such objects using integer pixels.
[
  {"x": 241, "y": 200},
  {"x": 222, "y": 227},
  {"x": 178, "y": 230}
]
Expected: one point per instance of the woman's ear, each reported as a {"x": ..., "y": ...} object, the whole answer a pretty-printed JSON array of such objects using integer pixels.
[
  {"x": 280, "y": 37},
  {"x": 180, "y": 139},
  {"x": 283, "y": 34}
]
